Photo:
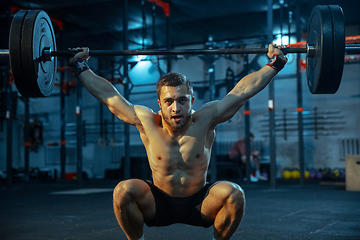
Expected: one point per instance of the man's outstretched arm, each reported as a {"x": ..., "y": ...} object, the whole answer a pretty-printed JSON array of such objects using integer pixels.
[
  {"x": 102, "y": 89},
  {"x": 247, "y": 87}
]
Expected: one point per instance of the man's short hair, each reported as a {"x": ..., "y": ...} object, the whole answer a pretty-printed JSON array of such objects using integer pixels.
[{"x": 174, "y": 79}]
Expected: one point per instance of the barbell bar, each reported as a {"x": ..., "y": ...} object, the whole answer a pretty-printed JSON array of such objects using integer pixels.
[
  {"x": 352, "y": 49},
  {"x": 32, "y": 51},
  {"x": 48, "y": 54}
]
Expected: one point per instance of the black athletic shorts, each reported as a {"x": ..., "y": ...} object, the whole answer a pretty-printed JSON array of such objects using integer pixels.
[{"x": 170, "y": 210}]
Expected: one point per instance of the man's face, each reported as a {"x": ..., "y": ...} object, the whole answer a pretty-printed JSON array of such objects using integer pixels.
[{"x": 175, "y": 104}]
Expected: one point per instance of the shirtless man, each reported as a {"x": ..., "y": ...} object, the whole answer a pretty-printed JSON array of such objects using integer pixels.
[{"x": 178, "y": 143}]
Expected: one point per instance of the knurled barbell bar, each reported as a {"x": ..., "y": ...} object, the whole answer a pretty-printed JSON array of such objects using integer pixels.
[{"x": 32, "y": 51}]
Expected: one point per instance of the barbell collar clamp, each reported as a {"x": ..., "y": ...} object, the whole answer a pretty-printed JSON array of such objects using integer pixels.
[
  {"x": 310, "y": 50},
  {"x": 46, "y": 54}
]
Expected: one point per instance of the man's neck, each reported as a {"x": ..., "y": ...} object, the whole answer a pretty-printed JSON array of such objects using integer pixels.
[{"x": 178, "y": 133}]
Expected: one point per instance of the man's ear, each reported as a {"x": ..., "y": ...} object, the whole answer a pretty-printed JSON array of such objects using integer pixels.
[
  {"x": 159, "y": 103},
  {"x": 192, "y": 100}
]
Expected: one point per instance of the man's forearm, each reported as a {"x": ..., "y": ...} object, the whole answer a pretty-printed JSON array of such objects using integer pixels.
[
  {"x": 254, "y": 82},
  {"x": 259, "y": 80}
]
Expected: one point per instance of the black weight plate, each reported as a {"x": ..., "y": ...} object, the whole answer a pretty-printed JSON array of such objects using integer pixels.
[
  {"x": 339, "y": 48},
  {"x": 37, "y": 34},
  {"x": 15, "y": 37},
  {"x": 320, "y": 36}
]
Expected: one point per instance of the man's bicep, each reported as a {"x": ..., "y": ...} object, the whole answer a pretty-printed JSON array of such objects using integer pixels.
[
  {"x": 123, "y": 109},
  {"x": 227, "y": 107}
]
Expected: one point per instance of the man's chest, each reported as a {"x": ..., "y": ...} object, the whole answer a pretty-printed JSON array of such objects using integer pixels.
[{"x": 183, "y": 152}]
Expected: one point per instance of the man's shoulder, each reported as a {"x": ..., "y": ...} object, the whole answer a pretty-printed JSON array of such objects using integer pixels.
[
  {"x": 206, "y": 110},
  {"x": 141, "y": 108},
  {"x": 145, "y": 113},
  {"x": 210, "y": 104}
]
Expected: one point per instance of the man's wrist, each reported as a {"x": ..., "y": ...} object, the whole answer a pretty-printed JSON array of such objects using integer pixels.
[
  {"x": 79, "y": 66},
  {"x": 276, "y": 63}
]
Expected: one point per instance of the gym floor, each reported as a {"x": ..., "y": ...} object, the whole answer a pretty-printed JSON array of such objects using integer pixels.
[{"x": 61, "y": 211}]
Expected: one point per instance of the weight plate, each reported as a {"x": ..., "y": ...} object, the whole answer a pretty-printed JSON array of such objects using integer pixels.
[
  {"x": 15, "y": 37},
  {"x": 339, "y": 48},
  {"x": 320, "y": 36},
  {"x": 37, "y": 33}
]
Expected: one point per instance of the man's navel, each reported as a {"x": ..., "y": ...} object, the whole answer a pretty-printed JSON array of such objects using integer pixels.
[{"x": 183, "y": 179}]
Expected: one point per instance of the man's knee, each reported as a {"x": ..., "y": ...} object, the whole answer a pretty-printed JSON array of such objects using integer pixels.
[
  {"x": 233, "y": 194},
  {"x": 125, "y": 192},
  {"x": 237, "y": 199}
]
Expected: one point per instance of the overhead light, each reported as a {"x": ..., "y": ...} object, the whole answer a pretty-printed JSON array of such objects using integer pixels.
[
  {"x": 281, "y": 40},
  {"x": 139, "y": 58}
]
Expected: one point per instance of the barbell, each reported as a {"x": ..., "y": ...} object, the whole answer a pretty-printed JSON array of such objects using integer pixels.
[{"x": 33, "y": 54}]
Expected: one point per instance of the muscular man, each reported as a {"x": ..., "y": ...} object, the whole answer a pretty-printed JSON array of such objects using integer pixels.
[{"x": 178, "y": 143}]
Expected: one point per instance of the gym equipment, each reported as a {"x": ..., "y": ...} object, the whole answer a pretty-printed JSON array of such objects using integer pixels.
[
  {"x": 32, "y": 51},
  {"x": 31, "y": 32},
  {"x": 319, "y": 174},
  {"x": 312, "y": 174},
  {"x": 295, "y": 174},
  {"x": 336, "y": 173},
  {"x": 326, "y": 34},
  {"x": 328, "y": 174},
  {"x": 287, "y": 173}
]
